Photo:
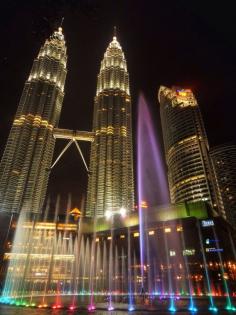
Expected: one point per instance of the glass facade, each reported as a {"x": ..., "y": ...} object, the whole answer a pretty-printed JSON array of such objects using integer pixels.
[{"x": 186, "y": 147}]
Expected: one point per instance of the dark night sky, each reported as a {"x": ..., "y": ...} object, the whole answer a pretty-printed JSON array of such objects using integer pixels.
[{"x": 186, "y": 43}]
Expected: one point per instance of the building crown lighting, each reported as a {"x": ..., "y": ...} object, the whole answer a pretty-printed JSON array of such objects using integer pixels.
[{"x": 113, "y": 73}]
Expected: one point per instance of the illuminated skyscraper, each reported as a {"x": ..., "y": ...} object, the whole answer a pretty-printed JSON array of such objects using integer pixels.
[
  {"x": 110, "y": 185},
  {"x": 29, "y": 149},
  {"x": 224, "y": 165},
  {"x": 186, "y": 147}
]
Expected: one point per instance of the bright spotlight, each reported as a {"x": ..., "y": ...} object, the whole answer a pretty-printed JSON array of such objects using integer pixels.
[
  {"x": 123, "y": 212},
  {"x": 108, "y": 214}
]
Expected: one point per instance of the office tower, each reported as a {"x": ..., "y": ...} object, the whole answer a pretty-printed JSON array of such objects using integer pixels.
[
  {"x": 224, "y": 165},
  {"x": 29, "y": 149},
  {"x": 110, "y": 185},
  {"x": 186, "y": 147}
]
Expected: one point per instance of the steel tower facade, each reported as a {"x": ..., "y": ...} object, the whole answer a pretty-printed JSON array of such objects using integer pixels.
[
  {"x": 186, "y": 147},
  {"x": 29, "y": 149},
  {"x": 110, "y": 186}
]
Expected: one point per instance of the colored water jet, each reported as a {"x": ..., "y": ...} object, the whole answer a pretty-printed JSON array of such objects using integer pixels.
[
  {"x": 131, "y": 308},
  {"x": 229, "y": 305},
  {"x": 212, "y": 306},
  {"x": 150, "y": 172},
  {"x": 110, "y": 307},
  {"x": 130, "y": 289}
]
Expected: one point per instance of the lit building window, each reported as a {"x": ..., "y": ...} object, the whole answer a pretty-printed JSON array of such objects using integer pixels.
[
  {"x": 122, "y": 236},
  {"x": 151, "y": 232},
  {"x": 136, "y": 234},
  {"x": 167, "y": 230},
  {"x": 109, "y": 237},
  {"x": 189, "y": 252},
  {"x": 172, "y": 253},
  {"x": 179, "y": 228},
  {"x": 144, "y": 204},
  {"x": 97, "y": 239}
]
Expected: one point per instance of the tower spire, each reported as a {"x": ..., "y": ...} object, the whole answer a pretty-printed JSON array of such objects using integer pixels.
[
  {"x": 60, "y": 27},
  {"x": 114, "y": 32},
  {"x": 62, "y": 20}
]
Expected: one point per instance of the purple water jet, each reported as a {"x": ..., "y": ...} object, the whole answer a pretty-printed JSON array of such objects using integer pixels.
[{"x": 152, "y": 183}]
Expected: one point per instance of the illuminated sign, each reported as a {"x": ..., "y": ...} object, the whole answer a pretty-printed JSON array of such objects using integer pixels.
[
  {"x": 206, "y": 223},
  {"x": 183, "y": 92},
  {"x": 214, "y": 250},
  {"x": 208, "y": 241}
]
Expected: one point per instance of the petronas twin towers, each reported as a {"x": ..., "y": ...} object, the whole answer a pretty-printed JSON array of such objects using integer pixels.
[
  {"x": 111, "y": 163},
  {"x": 29, "y": 150}
]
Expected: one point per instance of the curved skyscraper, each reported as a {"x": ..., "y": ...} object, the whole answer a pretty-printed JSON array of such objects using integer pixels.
[
  {"x": 111, "y": 185},
  {"x": 186, "y": 147},
  {"x": 29, "y": 150}
]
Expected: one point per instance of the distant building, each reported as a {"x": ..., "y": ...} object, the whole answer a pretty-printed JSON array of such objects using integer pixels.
[
  {"x": 111, "y": 185},
  {"x": 186, "y": 147},
  {"x": 224, "y": 165},
  {"x": 29, "y": 149}
]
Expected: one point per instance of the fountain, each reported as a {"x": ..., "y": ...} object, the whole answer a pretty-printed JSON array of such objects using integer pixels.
[
  {"x": 149, "y": 166},
  {"x": 136, "y": 261}
]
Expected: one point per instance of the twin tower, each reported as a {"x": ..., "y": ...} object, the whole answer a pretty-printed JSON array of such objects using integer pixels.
[{"x": 25, "y": 165}]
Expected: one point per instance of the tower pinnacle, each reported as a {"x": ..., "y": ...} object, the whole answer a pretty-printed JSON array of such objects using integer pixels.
[
  {"x": 114, "y": 32},
  {"x": 62, "y": 20}
]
